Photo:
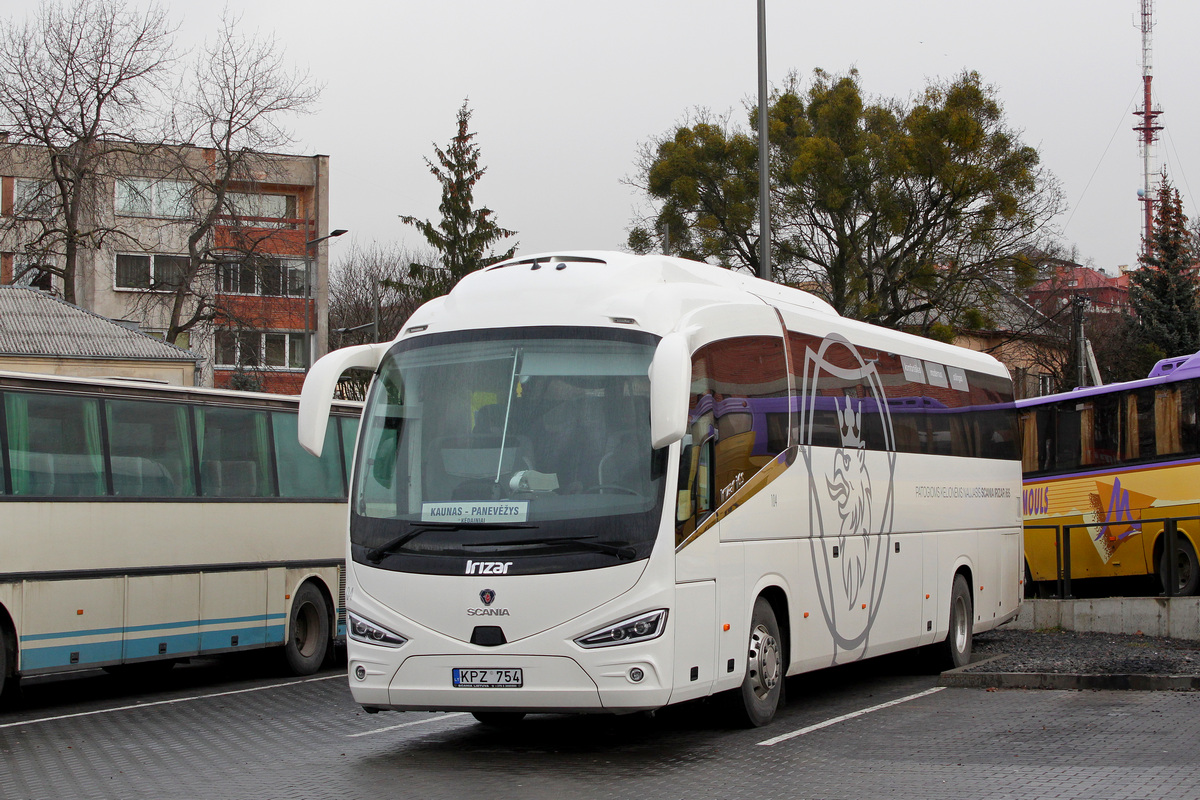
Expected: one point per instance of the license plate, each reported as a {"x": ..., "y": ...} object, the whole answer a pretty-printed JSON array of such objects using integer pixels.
[{"x": 490, "y": 678}]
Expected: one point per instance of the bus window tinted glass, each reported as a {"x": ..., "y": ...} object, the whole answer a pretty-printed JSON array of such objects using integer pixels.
[
  {"x": 301, "y": 474},
  {"x": 1147, "y": 446},
  {"x": 1106, "y": 430},
  {"x": 150, "y": 445},
  {"x": 235, "y": 452},
  {"x": 1189, "y": 418},
  {"x": 1067, "y": 437},
  {"x": 349, "y": 434},
  {"x": 54, "y": 445}
]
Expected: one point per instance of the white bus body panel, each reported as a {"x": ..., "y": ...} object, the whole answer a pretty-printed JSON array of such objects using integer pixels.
[
  {"x": 944, "y": 513},
  {"x": 81, "y": 623}
]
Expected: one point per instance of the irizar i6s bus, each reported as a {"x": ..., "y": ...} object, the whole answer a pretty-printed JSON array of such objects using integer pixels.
[{"x": 599, "y": 482}]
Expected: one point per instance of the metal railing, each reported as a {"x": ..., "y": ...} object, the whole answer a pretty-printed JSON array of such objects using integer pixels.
[{"x": 1062, "y": 551}]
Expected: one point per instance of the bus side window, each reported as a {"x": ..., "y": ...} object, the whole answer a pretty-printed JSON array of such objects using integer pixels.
[
  {"x": 1047, "y": 440},
  {"x": 1029, "y": 441},
  {"x": 1166, "y": 420},
  {"x": 683, "y": 503},
  {"x": 1146, "y": 428},
  {"x": 702, "y": 489},
  {"x": 1189, "y": 424}
]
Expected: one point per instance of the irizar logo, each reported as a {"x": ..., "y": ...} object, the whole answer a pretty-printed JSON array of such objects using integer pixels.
[{"x": 488, "y": 567}]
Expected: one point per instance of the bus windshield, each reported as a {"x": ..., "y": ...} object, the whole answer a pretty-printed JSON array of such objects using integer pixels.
[{"x": 531, "y": 445}]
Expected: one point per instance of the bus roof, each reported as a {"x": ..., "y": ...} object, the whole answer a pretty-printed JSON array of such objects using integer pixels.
[
  {"x": 1165, "y": 371},
  {"x": 116, "y": 384},
  {"x": 653, "y": 293}
]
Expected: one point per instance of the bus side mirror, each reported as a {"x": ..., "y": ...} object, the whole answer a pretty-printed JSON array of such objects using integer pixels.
[
  {"x": 670, "y": 387},
  {"x": 319, "y": 384}
]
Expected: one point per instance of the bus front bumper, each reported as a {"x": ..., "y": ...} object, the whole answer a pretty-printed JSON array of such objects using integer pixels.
[{"x": 549, "y": 684}]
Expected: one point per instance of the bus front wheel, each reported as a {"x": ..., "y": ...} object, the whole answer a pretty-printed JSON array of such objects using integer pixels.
[
  {"x": 309, "y": 632},
  {"x": 763, "y": 685},
  {"x": 1187, "y": 571}
]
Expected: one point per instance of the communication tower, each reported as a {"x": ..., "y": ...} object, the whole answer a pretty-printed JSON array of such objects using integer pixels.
[{"x": 1148, "y": 129}]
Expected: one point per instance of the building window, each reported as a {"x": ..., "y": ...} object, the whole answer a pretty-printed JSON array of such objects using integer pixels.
[
  {"x": 142, "y": 197},
  {"x": 32, "y": 272},
  {"x": 264, "y": 210},
  {"x": 33, "y": 199},
  {"x": 263, "y": 275},
  {"x": 183, "y": 340},
  {"x": 151, "y": 271},
  {"x": 270, "y": 349},
  {"x": 1045, "y": 385}
]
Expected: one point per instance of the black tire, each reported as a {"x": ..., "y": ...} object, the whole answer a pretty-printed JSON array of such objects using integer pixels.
[
  {"x": 498, "y": 719},
  {"x": 5, "y": 683},
  {"x": 758, "y": 699},
  {"x": 956, "y": 649},
  {"x": 1187, "y": 570},
  {"x": 309, "y": 633},
  {"x": 1031, "y": 587}
]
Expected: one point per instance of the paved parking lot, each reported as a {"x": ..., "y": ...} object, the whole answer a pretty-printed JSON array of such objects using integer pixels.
[{"x": 243, "y": 730}]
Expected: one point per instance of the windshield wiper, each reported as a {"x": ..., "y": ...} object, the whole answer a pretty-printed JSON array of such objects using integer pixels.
[
  {"x": 376, "y": 554},
  {"x": 623, "y": 552}
]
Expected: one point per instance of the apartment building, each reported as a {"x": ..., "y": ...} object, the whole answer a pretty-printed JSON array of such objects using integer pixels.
[{"x": 236, "y": 263}]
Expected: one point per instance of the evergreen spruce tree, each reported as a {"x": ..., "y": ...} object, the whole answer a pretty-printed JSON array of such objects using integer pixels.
[
  {"x": 465, "y": 235},
  {"x": 1163, "y": 290}
]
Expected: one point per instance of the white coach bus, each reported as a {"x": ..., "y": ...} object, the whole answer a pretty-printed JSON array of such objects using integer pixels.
[
  {"x": 143, "y": 524},
  {"x": 599, "y": 482}
]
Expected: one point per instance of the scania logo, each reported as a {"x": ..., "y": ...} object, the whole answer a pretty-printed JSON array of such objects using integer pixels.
[{"x": 487, "y": 596}]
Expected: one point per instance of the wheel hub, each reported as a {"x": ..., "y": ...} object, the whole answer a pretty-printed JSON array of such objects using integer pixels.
[{"x": 764, "y": 658}]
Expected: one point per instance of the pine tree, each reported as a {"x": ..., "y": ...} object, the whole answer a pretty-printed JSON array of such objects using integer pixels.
[
  {"x": 465, "y": 234},
  {"x": 1163, "y": 290}
]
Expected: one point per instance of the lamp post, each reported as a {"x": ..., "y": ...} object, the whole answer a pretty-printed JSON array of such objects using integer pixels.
[
  {"x": 764, "y": 174},
  {"x": 308, "y": 290}
]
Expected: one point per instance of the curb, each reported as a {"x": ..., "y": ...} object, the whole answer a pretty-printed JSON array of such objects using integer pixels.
[{"x": 971, "y": 677}]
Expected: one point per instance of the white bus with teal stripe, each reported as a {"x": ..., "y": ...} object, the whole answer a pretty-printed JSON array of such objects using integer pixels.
[{"x": 146, "y": 524}]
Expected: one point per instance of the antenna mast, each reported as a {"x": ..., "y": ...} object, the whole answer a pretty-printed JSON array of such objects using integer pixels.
[{"x": 1148, "y": 128}]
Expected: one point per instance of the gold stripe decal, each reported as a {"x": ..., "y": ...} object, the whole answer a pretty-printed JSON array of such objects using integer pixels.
[{"x": 759, "y": 481}]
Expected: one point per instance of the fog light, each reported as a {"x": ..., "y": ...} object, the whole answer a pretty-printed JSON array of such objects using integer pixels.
[
  {"x": 636, "y": 674},
  {"x": 360, "y": 672}
]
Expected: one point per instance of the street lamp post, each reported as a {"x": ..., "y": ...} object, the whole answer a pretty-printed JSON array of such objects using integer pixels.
[
  {"x": 308, "y": 353},
  {"x": 764, "y": 174}
]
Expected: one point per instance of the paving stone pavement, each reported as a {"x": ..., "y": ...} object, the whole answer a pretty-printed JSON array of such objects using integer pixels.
[{"x": 284, "y": 738}]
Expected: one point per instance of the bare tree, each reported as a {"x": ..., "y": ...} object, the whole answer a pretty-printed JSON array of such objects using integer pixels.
[
  {"x": 371, "y": 295},
  {"x": 78, "y": 83},
  {"x": 228, "y": 120}
]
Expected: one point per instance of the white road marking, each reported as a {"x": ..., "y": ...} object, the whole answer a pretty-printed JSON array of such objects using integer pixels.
[
  {"x": 170, "y": 702},
  {"x": 844, "y": 717},
  {"x": 406, "y": 724}
]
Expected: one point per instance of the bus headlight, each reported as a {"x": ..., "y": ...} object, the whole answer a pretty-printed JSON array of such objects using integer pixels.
[
  {"x": 363, "y": 630},
  {"x": 635, "y": 629}
]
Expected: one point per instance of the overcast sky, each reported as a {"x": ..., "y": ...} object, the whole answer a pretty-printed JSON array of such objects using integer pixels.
[{"x": 565, "y": 91}]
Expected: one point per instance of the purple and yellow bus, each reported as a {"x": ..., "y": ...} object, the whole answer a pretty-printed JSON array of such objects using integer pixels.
[{"x": 1105, "y": 459}]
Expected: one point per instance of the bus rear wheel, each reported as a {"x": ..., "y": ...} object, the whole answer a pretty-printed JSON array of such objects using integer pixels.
[
  {"x": 309, "y": 632},
  {"x": 1187, "y": 571},
  {"x": 762, "y": 687},
  {"x": 956, "y": 649}
]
